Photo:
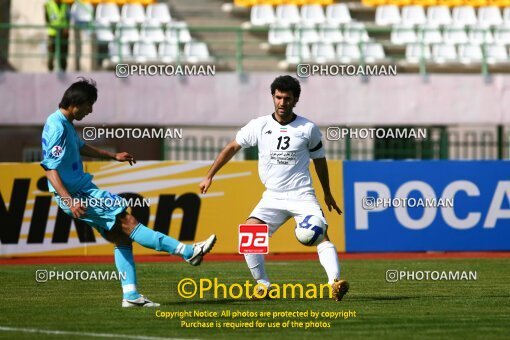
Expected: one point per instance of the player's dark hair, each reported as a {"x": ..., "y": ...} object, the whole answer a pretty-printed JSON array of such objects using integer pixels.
[
  {"x": 81, "y": 92},
  {"x": 286, "y": 84}
]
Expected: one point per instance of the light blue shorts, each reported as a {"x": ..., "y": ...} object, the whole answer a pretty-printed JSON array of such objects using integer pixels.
[{"x": 102, "y": 207}]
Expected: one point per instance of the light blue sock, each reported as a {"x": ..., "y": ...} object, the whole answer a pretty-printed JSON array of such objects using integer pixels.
[
  {"x": 126, "y": 265},
  {"x": 157, "y": 241}
]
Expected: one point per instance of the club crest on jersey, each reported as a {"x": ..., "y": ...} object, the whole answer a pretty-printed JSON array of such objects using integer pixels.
[{"x": 57, "y": 151}]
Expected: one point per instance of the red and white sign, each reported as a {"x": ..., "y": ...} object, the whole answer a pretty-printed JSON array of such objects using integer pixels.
[{"x": 253, "y": 239}]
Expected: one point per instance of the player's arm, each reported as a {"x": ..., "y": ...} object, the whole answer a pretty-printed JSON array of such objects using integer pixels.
[
  {"x": 223, "y": 157},
  {"x": 321, "y": 167},
  {"x": 92, "y": 151},
  {"x": 55, "y": 180}
]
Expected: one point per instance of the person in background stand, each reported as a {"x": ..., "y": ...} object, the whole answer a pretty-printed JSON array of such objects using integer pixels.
[{"x": 57, "y": 18}]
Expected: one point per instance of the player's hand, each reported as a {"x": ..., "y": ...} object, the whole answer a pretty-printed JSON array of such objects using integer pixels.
[
  {"x": 77, "y": 210},
  {"x": 205, "y": 184},
  {"x": 331, "y": 203},
  {"x": 125, "y": 157}
]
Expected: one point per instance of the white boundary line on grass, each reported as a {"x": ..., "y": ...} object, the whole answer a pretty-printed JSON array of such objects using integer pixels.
[{"x": 96, "y": 335}]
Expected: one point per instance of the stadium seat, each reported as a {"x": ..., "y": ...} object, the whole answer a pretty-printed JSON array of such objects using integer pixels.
[
  {"x": 197, "y": 52},
  {"x": 262, "y": 15},
  {"x": 104, "y": 31},
  {"x": 306, "y": 33},
  {"x": 464, "y": 16},
  {"x": 403, "y": 34},
  {"x": 107, "y": 12},
  {"x": 127, "y": 32},
  {"x": 347, "y": 52},
  {"x": 415, "y": 52},
  {"x": 152, "y": 32},
  {"x": 479, "y": 35},
  {"x": 455, "y": 35},
  {"x": 470, "y": 53},
  {"x": 496, "y": 54},
  {"x": 338, "y": 14},
  {"x": 444, "y": 53},
  {"x": 439, "y": 15},
  {"x": 506, "y": 15},
  {"x": 119, "y": 52},
  {"x": 287, "y": 15},
  {"x": 280, "y": 35},
  {"x": 330, "y": 33},
  {"x": 413, "y": 15},
  {"x": 168, "y": 52},
  {"x": 82, "y": 13},
  {"x": 133, "y": 12},
  {"x": 177, "y": 31},
  {"x": 159, "y": 12},
  {"x": 355, "y": 32},
  {"x": 312, "y": 14},
  {"x": 323, "y": 53},
  {"x": 373, "y": 52},
  {"x": 489, "y": 16},
  {"x": 387, "y": 15},
  {"x": 145, "y": 52},
  {"x": 429, "y": 34},
  {"x": 297, "y": 52},
  {"x": 502, "y": 35}
]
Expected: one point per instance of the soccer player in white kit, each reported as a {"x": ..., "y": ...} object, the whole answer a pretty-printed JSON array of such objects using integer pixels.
[{"x": 286, "y": 143}]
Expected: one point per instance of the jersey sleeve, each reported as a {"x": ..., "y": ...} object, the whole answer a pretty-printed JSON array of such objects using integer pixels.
[
  {"x": 247, "y": 136},
  {"x": 315, "y": 143},
  {"x": 54, "y": 146}
]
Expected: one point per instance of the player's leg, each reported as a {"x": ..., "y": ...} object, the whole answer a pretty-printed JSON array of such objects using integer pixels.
[{"x": 256, "y": 262}]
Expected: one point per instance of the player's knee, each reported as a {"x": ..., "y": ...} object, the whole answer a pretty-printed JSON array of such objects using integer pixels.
[{"x": 128, "y": 222}]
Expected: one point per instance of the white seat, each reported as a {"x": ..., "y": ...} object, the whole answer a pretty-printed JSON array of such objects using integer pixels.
[
  {"x": 107, "y": 12},
  {"x": 144, "y": 52},
  {"x": 387, "y": 15},
  {"x": 439, "y": 16},
  {"x": 464, "y": 16},
  {"x": 159, "y": 12},
  {"x": 168, "y": 52},
  {"x": 347, "y": 52},
  {"x": 323, "y": 53},
  {"x": 496, "y": 54},
  {"x": 297, "y": 52},
  {"x": 133, "y": 12},
  {"x": 152, "y": 32},
  {"x": 506, "y": 16},
  {"x": 455, "y": 35},
  {"x": 338, "y": 14},
  {"x": 312, "y": 14},
  {"x": 287, "y": 15},
  {"x": 489, "y": 16},
  {"x": 119, "y": 52},
  {"x": 444, "y": 53},
  {"x": 355, "y": 32},
  {"x": 415, "y": 52},
  {"x": 480, "y": 35},
  {"x": 104, "y": 31},
  {"x": 82, "y": 13},
  {"x": 403, "y": 34},
  {"x": 429, "y": 34},
  {"x": 413, "y": 15},
  {"x": 196, "y": 52},
  {"x": 306, "y": 33},
  {"x": 127, "y": 32},
  {"x": 280, "y": 35},
  {"x": 177, "y": 31},
  {"x": 373, "y": 52},
  {"x": 502, "y": 35},
  {"x": 262, "y": 15},
  {"x": 470, "y": 53},
  {"x": 330, "y": 33}
]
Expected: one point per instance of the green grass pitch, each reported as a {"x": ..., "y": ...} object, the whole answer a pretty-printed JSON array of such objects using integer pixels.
[{"x": 402, "y": 310}]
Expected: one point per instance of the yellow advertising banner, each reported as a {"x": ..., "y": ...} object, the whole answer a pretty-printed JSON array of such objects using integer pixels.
[{"x": 32, "y": 225}]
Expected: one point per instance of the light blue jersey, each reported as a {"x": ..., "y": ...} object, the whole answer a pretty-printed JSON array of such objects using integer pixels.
[{"x": 61, "y": 151}]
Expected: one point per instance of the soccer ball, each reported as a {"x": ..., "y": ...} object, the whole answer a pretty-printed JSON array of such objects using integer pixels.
[{"x": 310, "y": 231}]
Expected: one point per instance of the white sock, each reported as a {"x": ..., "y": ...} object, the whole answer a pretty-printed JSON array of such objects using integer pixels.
[
  {"x": 328, "y": 257},
  {"x": 256, "y": 264}
]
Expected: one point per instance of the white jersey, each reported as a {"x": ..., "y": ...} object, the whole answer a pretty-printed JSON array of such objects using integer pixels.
[{"x": 284, "y": 150}]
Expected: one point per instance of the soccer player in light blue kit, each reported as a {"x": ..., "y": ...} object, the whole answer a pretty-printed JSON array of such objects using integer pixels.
[{"x": 72, "y": 187}]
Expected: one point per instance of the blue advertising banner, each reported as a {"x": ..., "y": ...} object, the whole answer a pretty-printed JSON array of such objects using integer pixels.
[{"x": 427, "y": 205}]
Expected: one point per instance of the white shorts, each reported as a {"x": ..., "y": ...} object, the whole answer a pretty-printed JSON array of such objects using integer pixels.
[{"x": 275, "y": 208}]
